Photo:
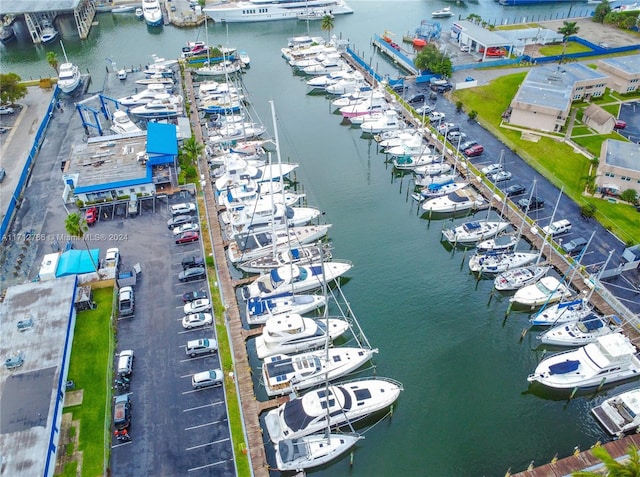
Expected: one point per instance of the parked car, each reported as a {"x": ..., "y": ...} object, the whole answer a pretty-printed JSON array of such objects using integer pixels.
[
  {"x": 465, "y": 48},
  {"x": 6, "y": 110},
  {"x": 182, "y": 209},
  {"x": 194, "y": 295},
  {"x": 121, "y": 412},
  {"x": 424, "y": 110},
  {"x": 213, "y": 377},
  {"x": 192, "y": 261},
  {"x": 3, "y": 173},
  {"x": 447, "y": 127},
  {"x": 441, "y": 88},
  {"x": 491, "y": 168},
  {"x": 575, "y": 246},
  {"x": 112, "y": 257},
  {"x": 91, "y": 215},
  {"x": 201, "y": 346},
  {"x": 188, "y": 227},
  {"x": 193, "y": 273},
  {"x": 474, "y": 150},
  {"x": 501, "y": 176},
  {"x": 132, "y": 206},
  {"x": 418, "y": 98},
  {"x": 399, "y": 87},
  {"x": 515, "y": 189},
  {"x": 455, "y": 136},
  {"x": 197, "y": 320},
  {"x": 196, "y": 306},
  {"x": 533, "y": 204},
  {"x": 187, "y": 237},
  {"x": 620, "y": 124},
  {"x": 558, "y": 227},
  {"x": 179, "y": 220},
  {"x": 468, "y": 144},
  {"x": 436, "y": 116},
  {"x": 125, "y": 362},
  {"x": 126, "y": 301}
]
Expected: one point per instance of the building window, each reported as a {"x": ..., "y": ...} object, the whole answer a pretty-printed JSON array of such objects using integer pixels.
[
  {"x": 120, "y": 192},
  {"x": 609, "y": 174},
  {"x": 132, "y": 190},
  {"x": 625, "y": 178}
]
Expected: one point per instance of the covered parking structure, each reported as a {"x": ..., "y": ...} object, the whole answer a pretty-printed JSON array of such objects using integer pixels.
[{"x": 478, "y": 39}]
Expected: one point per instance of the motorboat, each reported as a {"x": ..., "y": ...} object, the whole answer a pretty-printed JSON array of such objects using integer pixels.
[
  {"x": 258, "y": 310},
  {"x": 264, "y": 214},
  {"x": 151, "y": 12},
  {"x": 47, "y": 32},
  {"x": 224, "y": 104},
  {"x": 390, "y": 120},
  {"x": 547, "y": 290},
  {"x": 499, "y": 243},
  {"x": 470, "y": 233},
  {"x": 399, "y": 137},
  {"x": 163, "y": 106},
  {"x": 68, "y": 77},
  {"x": 442, "y": 13},
  {"x": 258, "y": 244},
  {"x": 609, "y": 359},
  {"x": 121, "y": 123},
  {"x": 300, "y": 254},
  {"x": 194, "y": 48},
  {"x": 143, "y": 97},
  {"x": 312, "y": 451},
  {"x": 324, "y": 67},
  {"x": 411, "y": 147},
  {"x": 374, "y": 115},
  {"x": 519, "y": 277},
  {"x": 123, "y": 9},
  {"x": 458, "y": 201},
  {"x": 355, "y": 97},
  {"x": 292, "y": 333},
  {"x": 619, "y": 414},
  {"x": 350, "y": 83},
  {"x": 438, "y": 190},
  {"x": 236, "y": 132},
  {"x": 139, "y": 13},
  {"x": 426, "y": 162},
  {"x": 373, "y": 105},
  {"x": 157, "y": 78},
  {"x": 283, "y": 374},
  {"x": 314, "y": 15},
  {"x": 498, "y": 262},
  {"x": 564, "y": 312},
  {"x": 579, "y": 333},
  {"x": 160, "y": 67},
  {"x": 321, "y": 82},
  {"x": 260, "y": 11},
  {"x": 312, "y": 55},
  {"x": 7, "y": 33},
  {"x": 296, "y": 278},
  {"x": 336, "y": 405},
  {"x": 266, "y": 173},
  {"x": 244, "y": 58},
  {"x": 223, "y": 68}
]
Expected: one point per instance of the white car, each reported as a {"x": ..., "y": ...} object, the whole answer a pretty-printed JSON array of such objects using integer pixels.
[
  {"x": 184, "y": 208},
  {"x": 444, "y": 127},
  {"x": 213, "y": 377},
  {"x": 436, "y": 116},
  {"x": 196, "y": 320},
  {"x": 491, "y": 169},
  {"x": 6, "y": 110},
  {"x": 501, "y": 176},
  {"x": 186, "y": 228},
  {"x": 465, "y": 48},
  {"x": 196, "y": 306},
  {"x": 112, "y": 257}
]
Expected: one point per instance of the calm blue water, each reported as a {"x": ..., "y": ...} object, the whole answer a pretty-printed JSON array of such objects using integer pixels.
[{"x": 466, "y": 409}]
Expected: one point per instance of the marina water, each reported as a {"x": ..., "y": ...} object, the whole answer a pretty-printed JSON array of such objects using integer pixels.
[{"x": 466, "y": 409}]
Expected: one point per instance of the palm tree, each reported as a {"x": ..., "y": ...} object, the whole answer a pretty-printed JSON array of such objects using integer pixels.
[
  {"x": 192, "y": 149},
  {"x": 628, "y": 467},
  {"x": 566, "y": 30},
  {"x": 326, "y": 24},
  {"x": 52, "y": 59},
  {"x": 76, "y": 226}
]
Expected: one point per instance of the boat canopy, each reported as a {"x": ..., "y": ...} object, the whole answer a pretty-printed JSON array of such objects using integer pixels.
[{"x": 565, "y": 367}]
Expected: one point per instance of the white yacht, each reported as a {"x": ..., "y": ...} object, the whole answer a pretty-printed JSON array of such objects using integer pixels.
[
  {"x": 609, "y": 359},
  {"x": 121, "y": 123},
  {"x": 163, "y": 106},
  {"x": 309, "y": 253},
  {"x": 258, "y": 310},
  {"x": 263, "y": 214},
  {"x": 619, "y": 414},
  {"x": 547, "y": 290},
  {"x": 564, "y": 312},
  {"x": 219, "y": 69},
  {"x": 268, "y": 10},
  {"x": 48, "y": 32},
  {"x": 283, "y": 374},
  {"x": 151, "y": 12},
  {"x": 470, "y": 233},
  {"x": 68, "y": 77},
  {"x": 312, "y": 451},
  {"x": 292, "y": 333},
  {"x": 458, "y": 201},
  {"x": 143, "y": 97},
  {"x": 579, "y": 333},
  {"x": 498, "y": 262},
  {"x": 519, "y": 277},
  {"x": 242, "y": 171},
  {"x": 339, "y": 404}
]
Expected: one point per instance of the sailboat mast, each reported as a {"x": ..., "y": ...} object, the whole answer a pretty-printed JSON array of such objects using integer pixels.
[{"x": 64, "y": 52}]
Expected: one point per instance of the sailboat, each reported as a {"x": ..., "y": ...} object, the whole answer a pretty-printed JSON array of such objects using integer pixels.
[
  {"x": 312, "y": 451},
  {"x": 68, "y": 74}
]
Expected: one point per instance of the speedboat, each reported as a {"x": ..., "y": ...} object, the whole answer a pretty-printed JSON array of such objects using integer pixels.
[
  {"x": 331, "y": 407},
  {"x": 244, "y": 58},
  {"x": 260, "y": 11},
  {"x": 292, "y": 333},
  {"x": 151, "y": 12},
  {"x": 139, "y": 13},
  {"x": 547, "y": 290},
  {"x": 301, "y": 254},
  {"x": 258, "y": 244},
  {"x": 312, "y": 451},
  {"x": 564, "y": 312},
  {"x": 619, "y": 414},
  {"x": 469, "y": 233},
  {"x": 258, "y": 310},
  {"x": 143, "y": 97},
  {"x": 68, "y": 77},
  {"x": 296, "y": 278},
  {"x": 498, "y": 262},
  {"x": 519, "y": 277},
  {"x": 579, "y": 333},
  {"x": 283, "y": 374},
  {"x": 121, "y": 123},
  {"x": 458, "y": 201},
  {"x": 442, "y": 13},
  {"x": 607, "y": 360},
  {"x": 48, "y": 33}
]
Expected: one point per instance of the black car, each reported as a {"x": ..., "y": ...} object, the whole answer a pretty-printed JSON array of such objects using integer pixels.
[
  {"x": 192, "y": 261},
  {"x": 399, "y": 87},
  {"x": 533, "y": 204},
  {"x": 194, "y": 295},
  {"x": 419, "y": 98},
  {"x": 468, "y": 144},
  {"x": 441, "y": 88},
  {"x": 515, "y": 189},
  {"x": 179, "y": 220},
  {"x": 195, "y": 273},
  {"x": 575, "y": 246}
]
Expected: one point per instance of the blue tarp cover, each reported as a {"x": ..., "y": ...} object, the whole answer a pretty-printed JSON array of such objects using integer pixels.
[
  {"x": 162, "y": 139},
  {"x": 565, "y": 367},
  {"x": 74, "y": 262}
]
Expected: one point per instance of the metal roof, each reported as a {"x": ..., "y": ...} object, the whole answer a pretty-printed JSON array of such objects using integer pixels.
[
  {"x": 622, "y": 154},
  {"x": 628, "y": 64},
  {"x": 34, "y": 6},
  {"x": 479, "y": 34}
]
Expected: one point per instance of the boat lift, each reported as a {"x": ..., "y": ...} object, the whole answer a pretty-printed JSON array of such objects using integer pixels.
[{"x": 93, "y": 121}]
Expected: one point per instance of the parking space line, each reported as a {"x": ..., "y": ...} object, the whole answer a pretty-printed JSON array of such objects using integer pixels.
[
  {"x": 120, "y": 445},
  {"x": 125, "y": 317},
  {"x": 203, "y": 425},
  {"x": 207, "y": 444},
  {"x": 193, "y": 329},
  {"x": 204, "y": 406},
  {"x": 206, "y": 466}
]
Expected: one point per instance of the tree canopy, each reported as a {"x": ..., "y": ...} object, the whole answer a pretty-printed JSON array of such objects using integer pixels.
[
  {"x": 11, "y": 88},
  {"x": 434, "y": 61},
  {"x": 615, "y": 468},
  {"x": 326, "y": 24},
  {"x": 601, "y": 11}
]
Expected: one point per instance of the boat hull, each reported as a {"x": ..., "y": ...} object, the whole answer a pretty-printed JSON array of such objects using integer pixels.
[{"x": 244, "y": 12}]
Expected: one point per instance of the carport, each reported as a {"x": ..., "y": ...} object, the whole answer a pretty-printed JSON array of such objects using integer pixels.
[
  {"x": 74, "y": 262},
  {"x": 162, "y": 152},
  {"x": 478, "y": 38}
]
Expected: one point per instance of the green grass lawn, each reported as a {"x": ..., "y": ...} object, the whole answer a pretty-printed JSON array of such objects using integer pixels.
[
  {"x": 90, "y": 370},
  {"x": 556, "y": 160},
  {"x": 556, "y": 49}
]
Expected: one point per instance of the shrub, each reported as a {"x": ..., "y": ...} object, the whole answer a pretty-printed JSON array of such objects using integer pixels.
[{"x": 629, "y": 195}]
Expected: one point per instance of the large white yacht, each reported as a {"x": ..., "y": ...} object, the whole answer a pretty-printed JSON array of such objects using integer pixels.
[
  {"x": 270, "y": 10},
  {"x": 151, "y": 12},
  {"x": 68, "y": 77}
]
